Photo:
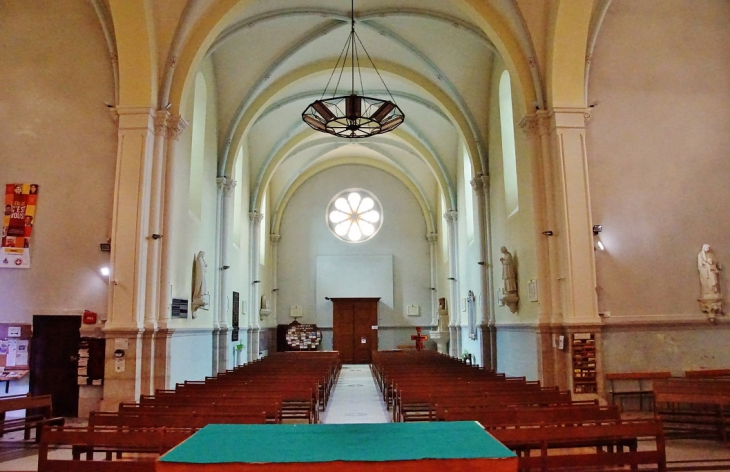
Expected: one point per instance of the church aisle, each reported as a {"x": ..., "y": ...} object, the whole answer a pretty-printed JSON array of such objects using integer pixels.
[{"x": 355, "y": 398}]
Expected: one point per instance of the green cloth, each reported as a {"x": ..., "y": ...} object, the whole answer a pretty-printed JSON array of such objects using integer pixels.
[{"x": 219, "y": 444}]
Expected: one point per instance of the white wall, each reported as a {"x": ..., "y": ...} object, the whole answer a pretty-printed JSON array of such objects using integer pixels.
[
  {"x": 305, "y": 235},
  {"x": 58, "y": 133},
  {"x": 657, "y": 147},
  {"x": 190, "y": 356}
]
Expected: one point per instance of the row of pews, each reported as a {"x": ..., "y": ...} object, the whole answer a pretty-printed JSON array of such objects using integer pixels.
[
  {"x": 542, "y": 425},
  {"x": 284, "y": 387}
]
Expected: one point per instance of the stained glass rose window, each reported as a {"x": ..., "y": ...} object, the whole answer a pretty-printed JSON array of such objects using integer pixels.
[{"x": 354, "y": 215}]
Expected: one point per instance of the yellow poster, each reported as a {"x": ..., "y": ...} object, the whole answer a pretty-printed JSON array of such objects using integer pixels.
[{"x": 18, "y": 221}]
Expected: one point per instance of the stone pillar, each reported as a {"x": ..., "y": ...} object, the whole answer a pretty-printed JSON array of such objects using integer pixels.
[
  {"x": 455, "y": 302},
  {"x": 225, "y": 298},
  {"x": 174, "y": 127},
  {"x": 255, "y": 271},
  {"x": 130, "y": 233},
  {"x": 274, "y": 238},
  {"x": 488, "y": 344},
  {"x": 432, "y": 239}
]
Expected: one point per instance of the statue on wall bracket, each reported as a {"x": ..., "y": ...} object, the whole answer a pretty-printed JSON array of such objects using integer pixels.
[
  {"x": 509, "y": 278},
  {"x": 710, "y": 292},
  {"x": 201, "y": 297}
]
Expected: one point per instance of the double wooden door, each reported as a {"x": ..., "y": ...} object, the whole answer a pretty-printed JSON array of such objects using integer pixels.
[{"x": 354, "y": 325}]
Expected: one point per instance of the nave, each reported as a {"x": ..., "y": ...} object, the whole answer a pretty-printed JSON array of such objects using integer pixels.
[{"x": 356, "y": 395}]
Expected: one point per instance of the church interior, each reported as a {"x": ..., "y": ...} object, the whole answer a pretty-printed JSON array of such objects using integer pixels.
[{"x": 540, "y": 194}]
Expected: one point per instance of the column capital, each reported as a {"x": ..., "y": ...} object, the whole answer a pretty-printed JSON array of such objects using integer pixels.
[
  {"x": 160, "y": 119},
  {"x": 274, "y": 238},
  {"x": 477, "y": 184},
  {"x": 226, "y": 185},
  {"x": 432, "y": 238},
  {"x": 256, "y": 217},
  {"x": 451, "y": 215},
  {"x": 176, "y": 124},
  {"x": 569, "y": 117},
  {"x": 529, "y": 125}
]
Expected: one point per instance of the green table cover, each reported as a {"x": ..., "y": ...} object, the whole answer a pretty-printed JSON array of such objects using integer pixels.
[{"x": 283, "y": 443}]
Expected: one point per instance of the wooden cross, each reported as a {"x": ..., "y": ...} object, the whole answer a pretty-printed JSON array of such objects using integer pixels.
[{"x": 419, "y": 338}]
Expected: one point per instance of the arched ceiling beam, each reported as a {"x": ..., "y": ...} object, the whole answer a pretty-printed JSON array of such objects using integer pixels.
[
  {"x": 343, "y": 17},
  {"x": 287, "y": 146},
  {"x": 599, "y": 13},
  {"x": 222, "y": 13},
  {"x": 475, "y": 151},
  {"x": 107, "y": 27},
  {"x": 567, "y": 58},
  {"x": 136, "y": 52},
  {"x": 247, "y": 115},
  {"x": 330, "y": 147},
  {"x": 317, "y": 93},
  {"x": 427, "y": 216}
]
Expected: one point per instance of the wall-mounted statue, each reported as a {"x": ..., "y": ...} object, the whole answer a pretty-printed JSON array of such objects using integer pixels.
[
  {"x": 710, "y": 291},
  {"x": 509, "y": 278},
  {"x": 200, "y": 290}
]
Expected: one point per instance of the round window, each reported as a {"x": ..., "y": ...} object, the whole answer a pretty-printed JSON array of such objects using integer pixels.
[{"x": 354, "y": 215}]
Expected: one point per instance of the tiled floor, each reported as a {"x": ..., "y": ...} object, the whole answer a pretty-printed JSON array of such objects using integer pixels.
[{"x": 355, "y": 398}]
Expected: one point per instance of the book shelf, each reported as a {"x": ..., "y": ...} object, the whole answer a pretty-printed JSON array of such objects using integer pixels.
[{"x": 583, "y": 353}]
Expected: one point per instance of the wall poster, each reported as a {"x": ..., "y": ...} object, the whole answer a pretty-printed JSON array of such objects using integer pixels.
[{"x": 18, "y": 221}]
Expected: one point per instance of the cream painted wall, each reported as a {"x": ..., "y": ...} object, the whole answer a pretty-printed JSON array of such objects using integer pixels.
[
  {"x": 58, "y": 133},
  {"x": 658, "y": 152},
  {"x": 469, "y": 255},
  {"x": 516, "y": 348},
  {"x": 191, "y": 235},
  {"x": 304, "y": 235}
]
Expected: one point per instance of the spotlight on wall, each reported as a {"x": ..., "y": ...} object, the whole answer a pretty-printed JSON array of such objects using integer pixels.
[
  {"x": 597, "y": 229},
  {"x": 225, "y": 267},
  {"x": 547, "y": 233},
  {"x": 104, "y": 271},
  {"x": 105, "y": 247}
]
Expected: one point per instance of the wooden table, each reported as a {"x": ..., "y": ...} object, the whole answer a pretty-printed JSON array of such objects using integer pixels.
[{"x": 404, "y": 447}]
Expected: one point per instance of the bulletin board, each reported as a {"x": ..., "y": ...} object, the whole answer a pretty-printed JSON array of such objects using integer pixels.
[{"x": 15, "y": 346}]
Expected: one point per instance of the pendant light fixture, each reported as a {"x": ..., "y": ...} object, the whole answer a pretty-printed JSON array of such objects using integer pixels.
[{"x": 353, "y": 116}]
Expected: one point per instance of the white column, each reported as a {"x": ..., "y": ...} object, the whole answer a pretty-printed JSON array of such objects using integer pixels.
[
  {"x": 174, "y": 127},
  {"x": 480, "y": 184},
  {"x": 130, "y": 233},
  {"x": 274, "y": 238},
  {"x": 432, "y": 239},
  {"x": 573, "y": 230},
  {"x": 255, "y": 272},
  {"x": 224, "y": 297},
  {"x": 455, "y": 305}
]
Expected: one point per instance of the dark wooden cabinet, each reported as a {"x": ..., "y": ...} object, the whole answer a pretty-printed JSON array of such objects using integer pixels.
[{"x": 353, "y": 320}]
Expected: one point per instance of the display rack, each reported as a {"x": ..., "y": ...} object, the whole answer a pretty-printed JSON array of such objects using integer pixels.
[
  {"x": 583, "y": 347},
  {"x": 303, "y": 337}
]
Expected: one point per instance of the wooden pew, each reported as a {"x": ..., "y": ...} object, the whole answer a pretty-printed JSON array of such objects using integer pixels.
[
  {"x": 584, "y": 446},
  {"x": 707, "y": 374},
  {"x": 493, "y": 416},
  {"x": 152, "y": 442},
  {"x": 38, "y": 413},
  {"x": 693, "y": 408},
  {"x": 640, "y": 385}
]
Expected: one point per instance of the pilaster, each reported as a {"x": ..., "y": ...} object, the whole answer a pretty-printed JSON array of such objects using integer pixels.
[
  {"x": 432, "y": 239},
  {"x": 255, "y": 272},
  {"x": 455, "y": 303}
]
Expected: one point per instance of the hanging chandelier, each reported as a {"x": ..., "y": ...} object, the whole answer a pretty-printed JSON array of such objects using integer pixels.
[{"x": 353, "y": 116}]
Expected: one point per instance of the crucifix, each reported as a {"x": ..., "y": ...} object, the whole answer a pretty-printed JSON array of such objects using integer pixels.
[{"x": 419, "y": 338}]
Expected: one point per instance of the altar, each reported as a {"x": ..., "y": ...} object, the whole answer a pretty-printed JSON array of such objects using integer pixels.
[{"x": 404, "y": 447}]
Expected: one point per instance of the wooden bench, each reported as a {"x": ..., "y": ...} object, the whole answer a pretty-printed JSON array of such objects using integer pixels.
[
  {"x": 495, "y": 416},
  {"x": 599, "y": 446},
  {"x": 693, "y": 408},
  {"x": 145, "y": 444},
  {"x": 640, "y": 385},
  {"x": 38, "y": 413},
  {"x": 707, "y": 374}
]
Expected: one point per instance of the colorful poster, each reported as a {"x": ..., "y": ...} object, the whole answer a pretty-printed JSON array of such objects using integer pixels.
[{"x": 18, "y": 221}]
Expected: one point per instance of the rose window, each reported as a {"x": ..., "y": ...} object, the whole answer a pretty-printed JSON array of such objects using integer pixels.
[{"x": 354, "y": 215}]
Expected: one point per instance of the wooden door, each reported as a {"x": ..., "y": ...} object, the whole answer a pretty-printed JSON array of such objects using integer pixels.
[
  {"x": 54, "y": 361},
  {"x": 352, "y": 325}
]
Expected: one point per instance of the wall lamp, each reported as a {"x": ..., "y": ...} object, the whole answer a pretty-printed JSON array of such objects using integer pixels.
[
  {"x": 156, "y": 236},
  {"x": 225, "y": 267},
  {"x": 597, "y": 229},
  {"x": 547, "y": 233},
  {"x": 451, "y": 278},
  {"x": 256, "y": 282}
]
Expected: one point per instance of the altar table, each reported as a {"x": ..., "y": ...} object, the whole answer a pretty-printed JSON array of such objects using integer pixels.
[{"x": 403, "y": 447}]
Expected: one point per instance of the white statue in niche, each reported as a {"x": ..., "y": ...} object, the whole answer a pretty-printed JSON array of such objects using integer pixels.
[
  {"x": 710, "y": 292},
  {"x": 509, "y": 277},
  {"x": 199, "y": 287}
]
